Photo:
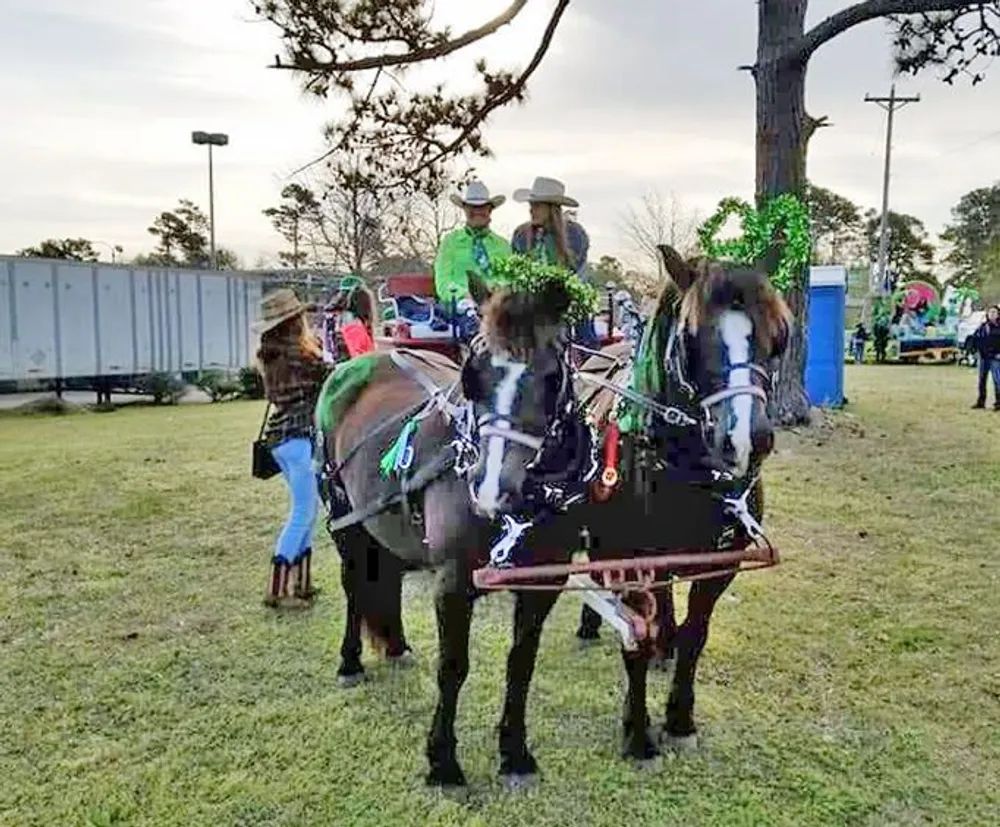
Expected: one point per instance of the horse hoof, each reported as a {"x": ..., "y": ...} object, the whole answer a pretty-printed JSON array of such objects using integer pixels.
[
  {"x": 646, "y": 764},
  {"x": 664, "y": 664},
  {"x": 402, "y": 661},
  {"x": 680, "y": 744},
  {"x": 350, "y": 681},
  {"x": 448, "y": 780},
  {"x": 516, "y": 782}
]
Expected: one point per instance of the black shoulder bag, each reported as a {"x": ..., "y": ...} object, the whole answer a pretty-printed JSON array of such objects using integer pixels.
[{"x": 263, "y": 465}]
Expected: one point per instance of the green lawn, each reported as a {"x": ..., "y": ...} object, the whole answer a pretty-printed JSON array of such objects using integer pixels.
[{"x": 143, "y": 682}]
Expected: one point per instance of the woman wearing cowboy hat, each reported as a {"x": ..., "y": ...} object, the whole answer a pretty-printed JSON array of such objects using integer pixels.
[
  {"x": 473, "y": 247},
  {"x": 290, "y": 359},
  {"x": 550, "y": 237}
]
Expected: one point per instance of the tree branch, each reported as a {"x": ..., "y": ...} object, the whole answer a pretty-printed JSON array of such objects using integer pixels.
[
  {"x": 859, "y": 13},
  {"x": 304, "y": 62},
  {"x": 515, "y": 91}
]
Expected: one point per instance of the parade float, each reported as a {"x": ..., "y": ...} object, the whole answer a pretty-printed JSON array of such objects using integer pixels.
[{"x": 924, "y": 323}]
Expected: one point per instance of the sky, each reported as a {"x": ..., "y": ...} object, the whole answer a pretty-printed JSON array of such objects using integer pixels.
[{"x": 99, "y": 99}]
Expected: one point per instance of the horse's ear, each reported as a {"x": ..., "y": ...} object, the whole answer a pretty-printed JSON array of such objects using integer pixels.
[
  {"x": 553, "y": 301},
  {"x": 677, "y": 267},
  {"x": 478, "y": 288}
]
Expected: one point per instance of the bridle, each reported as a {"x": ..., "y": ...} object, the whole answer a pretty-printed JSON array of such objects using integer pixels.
[
  {"x": 507, "y": 427},
  {"x": 700, "y": 405}
]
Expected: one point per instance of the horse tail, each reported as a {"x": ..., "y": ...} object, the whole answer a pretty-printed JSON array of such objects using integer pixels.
[{"x": 372, "y": 578}]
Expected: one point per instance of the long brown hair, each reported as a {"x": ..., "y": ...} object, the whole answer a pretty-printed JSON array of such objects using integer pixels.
[
  {"x": 280, "y": 346},
  {"x": 554, "y": 222}
]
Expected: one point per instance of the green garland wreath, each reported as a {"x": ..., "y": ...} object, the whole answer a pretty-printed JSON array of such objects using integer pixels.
[
  {"x": 784, "y": 220},
  {"x": 521, "y": 273}
]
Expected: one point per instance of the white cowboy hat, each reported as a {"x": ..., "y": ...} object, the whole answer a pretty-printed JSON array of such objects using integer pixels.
[
  {"x": 477, "y": 194},
  {"x": 546, "y": 191},
  {"x": 276, "y": 308}
]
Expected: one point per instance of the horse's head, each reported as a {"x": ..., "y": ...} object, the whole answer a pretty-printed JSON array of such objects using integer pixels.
[
  {"x": 517, "y": 379},
  {"x": 727, "y": 326}
]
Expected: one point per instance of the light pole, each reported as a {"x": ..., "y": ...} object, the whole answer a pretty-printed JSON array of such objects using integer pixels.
[
  {"x": 211, "y": 139},
  {"x": 115, "y": 248}
]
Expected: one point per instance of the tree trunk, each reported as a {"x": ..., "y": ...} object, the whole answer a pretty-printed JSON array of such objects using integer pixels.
[{"x": 781, "y": 145}]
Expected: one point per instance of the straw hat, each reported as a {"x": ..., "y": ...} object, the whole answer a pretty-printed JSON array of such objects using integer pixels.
[
  {"x": 276, "y": 308},
  {"x": 546, "y": 191},
  {"x": 477, "y": 194}
]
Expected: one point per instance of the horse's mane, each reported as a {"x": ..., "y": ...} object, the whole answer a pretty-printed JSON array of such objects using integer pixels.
[
  {"x": 699, "y": 289},
  {"x": 512, "y": 322},
  {"x": 521, "y": 322}
]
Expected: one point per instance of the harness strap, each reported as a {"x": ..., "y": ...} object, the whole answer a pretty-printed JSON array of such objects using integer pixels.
[
  {"x": 442, "y": 462},
  {"x": 729, "y": 393},
  {"x": 672, "y": 416}
]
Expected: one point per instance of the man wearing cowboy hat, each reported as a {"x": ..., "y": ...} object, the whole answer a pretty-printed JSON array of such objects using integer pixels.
[{"x": 473, "y": 247}]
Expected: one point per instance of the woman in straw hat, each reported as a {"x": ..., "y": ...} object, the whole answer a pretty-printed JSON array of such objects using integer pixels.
[
  {"x": 550, "y": 237},
  {"x": 290, "y": 359},
  {"x": 473, "y": 247}
]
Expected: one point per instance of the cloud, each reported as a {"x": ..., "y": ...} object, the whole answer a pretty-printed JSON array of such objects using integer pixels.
[{"x": 96, "y": 137}]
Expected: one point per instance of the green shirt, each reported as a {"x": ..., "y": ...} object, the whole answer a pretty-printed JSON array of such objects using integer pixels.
[{"x": 457, "y": 255}]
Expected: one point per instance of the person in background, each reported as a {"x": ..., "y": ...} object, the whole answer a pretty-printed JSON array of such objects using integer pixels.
[
  {"x": 858, "y": 339},
  {"x": 473, "y": 247},
  {"x": 290, "y": 360},
  {"x": 986, "y": 343},
  {"x": 880, "y": 336},
  {"x": 550, "y": 237}
]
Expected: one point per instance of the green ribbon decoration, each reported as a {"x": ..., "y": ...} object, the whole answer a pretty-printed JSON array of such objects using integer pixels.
[
  {"x": 391, "y": 459},
  {"x": 783, "y": 220}
]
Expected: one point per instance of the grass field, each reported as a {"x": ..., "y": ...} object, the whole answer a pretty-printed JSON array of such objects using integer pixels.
[{"x": 143, "y": 683}]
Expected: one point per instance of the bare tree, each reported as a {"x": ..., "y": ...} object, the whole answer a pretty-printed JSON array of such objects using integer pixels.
[
  {"x": 415, "y": 225},
  {"x": 660, "y": 220},
  {"x": 405, "y": 139},
  {"x": 342, "y": 229}
]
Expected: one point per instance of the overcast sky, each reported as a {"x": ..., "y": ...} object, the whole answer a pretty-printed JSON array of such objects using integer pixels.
[{"x": 98, "y": 100}]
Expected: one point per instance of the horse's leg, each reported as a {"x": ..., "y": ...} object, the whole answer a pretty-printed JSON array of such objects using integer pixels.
[
  {"x": 531, "y": 608},
  {"x": 637, "y": 742},
  {"x": 666, "y": 630},
  {"x": 352, "y": 548},
  {"x": 454, "y": 616},
  {"x": 680, "y": 730},
  {"x": 590, "y": 625}
]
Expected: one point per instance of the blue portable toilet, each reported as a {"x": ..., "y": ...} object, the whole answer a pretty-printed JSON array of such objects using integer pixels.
[{"x": 825, "y": 335}]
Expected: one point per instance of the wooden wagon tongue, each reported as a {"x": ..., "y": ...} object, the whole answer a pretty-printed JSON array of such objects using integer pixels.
[
  {"x": 626, "y": 575},
  {"x": 610, "y": 587}
]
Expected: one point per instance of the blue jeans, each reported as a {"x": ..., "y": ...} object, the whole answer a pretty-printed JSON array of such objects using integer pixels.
[
  {"x": 989, "y": 366},
  {"x": 295, "y": 458}
]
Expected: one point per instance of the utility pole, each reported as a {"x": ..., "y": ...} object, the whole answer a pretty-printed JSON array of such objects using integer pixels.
[{"x": 890, "y": 105}]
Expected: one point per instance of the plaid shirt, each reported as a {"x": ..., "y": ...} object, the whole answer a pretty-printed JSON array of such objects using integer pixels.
[{"x": 294, "y": 399}]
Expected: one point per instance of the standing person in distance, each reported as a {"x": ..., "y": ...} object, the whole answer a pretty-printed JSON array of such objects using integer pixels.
[
  {"x": 290, "y": 360},
  {"x": 986, "y": 342}
]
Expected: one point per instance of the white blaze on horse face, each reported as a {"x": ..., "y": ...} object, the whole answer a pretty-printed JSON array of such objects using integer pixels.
[
  {"x": 736, "y": 330},
  {"x": 488, "y": 495}
]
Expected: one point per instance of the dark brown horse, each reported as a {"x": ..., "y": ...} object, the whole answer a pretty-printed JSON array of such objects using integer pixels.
[{"x": 686, "y": 475}]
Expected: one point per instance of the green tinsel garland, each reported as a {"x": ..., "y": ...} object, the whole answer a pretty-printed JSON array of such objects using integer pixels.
[
  {"x": 785, "y": 215},
  {"x": 519, "y": 273}
]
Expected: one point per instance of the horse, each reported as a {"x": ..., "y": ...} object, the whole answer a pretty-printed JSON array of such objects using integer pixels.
[
  {"x": 691, "y": 482},
  {"x": 512, "y": 393}
]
